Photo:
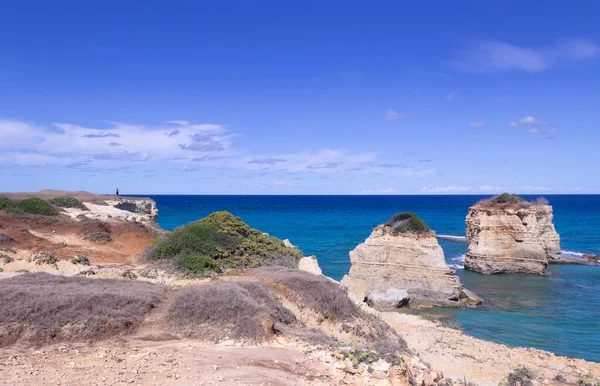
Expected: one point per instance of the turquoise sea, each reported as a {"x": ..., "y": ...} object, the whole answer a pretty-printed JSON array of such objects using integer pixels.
[{"x": 558, "y": 313}]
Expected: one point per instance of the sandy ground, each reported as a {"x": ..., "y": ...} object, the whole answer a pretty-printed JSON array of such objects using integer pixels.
[{"x": 458, "y": 355}]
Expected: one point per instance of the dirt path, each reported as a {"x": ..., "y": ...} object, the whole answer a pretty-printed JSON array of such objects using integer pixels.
[{"x": 175, "y": 362}]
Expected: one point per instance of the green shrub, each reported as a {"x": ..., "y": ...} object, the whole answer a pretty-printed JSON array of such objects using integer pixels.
[
  {"x": 226, "y": 240},
  {"x": 36, "y": 206},
  {"x": 99, "y": 237},
  {"x": 67, "y": 202},
  {"x": 407, "y": 222},
  {"x": 505, "y": 198},
  {"x": 199, "y": 264},
  {"x": 5, "y": 202}
]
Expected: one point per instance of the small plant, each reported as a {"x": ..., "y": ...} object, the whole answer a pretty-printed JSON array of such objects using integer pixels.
[
  {"x": 129, "y": 274},
  {"x": 357, "y": 355},
  {"x": 103, "y": 203},
  {"x": 44, "y": 258},
  {"x": 67, "y": 202},
  {"x": 6, "y": 259},
  {"x": 521, "y": 376},
  {"x": 34, "y": 206},
  {"x": 407, "y": 222},
  {"x": 8, "y": 250},
  {"x": 588, "y": 380},
  {"x": 80, "y": 259},
  {"x": 99, "y": 237}
]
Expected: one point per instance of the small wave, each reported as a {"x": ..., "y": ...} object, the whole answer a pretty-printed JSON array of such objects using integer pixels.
[
  {"x": 572, "y": 253},
  {"x": 457, "y": 262},
  {"x": 452, "y": 238}
]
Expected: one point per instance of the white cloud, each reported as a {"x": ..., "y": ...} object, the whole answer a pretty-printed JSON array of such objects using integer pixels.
[
  {"x": 392, "y": 114},
  {"x": 445, "y": 189},
  {"x": 527, "y": 121},
  {"x": 379, "y": 191},
  {"x": 450, "y": 96},
  {"x": 477, "y": 125},
  {"x": 493, "y": 188},
  {"x": 534, "y": 131},
  {"x": 496, "y": 56},
  {"x": 501, "y": 189}
]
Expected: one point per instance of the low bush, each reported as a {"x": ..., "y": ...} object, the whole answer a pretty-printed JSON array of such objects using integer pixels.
[
  {"x": 507, "y": 198},
  {"x": 521, "y": 376},
  {"x": 314, "y": 291},
  {"x": 5, "y": 202},
  {"x": 226, "y": 240},
  {"x": 80, "y": 259},
  {"x": 67, "y": 202},
  {"x": 99, "y": 237},
  {"x": 220, "y": 310},
  {"x": 35, "y": 206},
  {"x": 407, "y": 222},
  {"x": 6, "y": 259},
  {"x": 44, "y": 258},
  {"x": 39, "y": 308}
]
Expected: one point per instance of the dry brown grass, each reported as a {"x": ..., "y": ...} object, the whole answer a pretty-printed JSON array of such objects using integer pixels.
[
  {"x": 315, "y": 291},
  {"x": 39, "y": 308},
  {"x": 238, "y": 310}
]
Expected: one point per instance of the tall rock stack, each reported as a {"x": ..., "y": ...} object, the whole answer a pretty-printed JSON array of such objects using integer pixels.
[
  {"x": 401, "y": 262},
  {"x": 507, "y": 234}
]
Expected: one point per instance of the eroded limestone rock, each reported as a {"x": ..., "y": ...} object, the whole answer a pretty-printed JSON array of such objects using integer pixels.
[
  {"x": 413, "y": 262},
  {"x": 511, "y": 238}
]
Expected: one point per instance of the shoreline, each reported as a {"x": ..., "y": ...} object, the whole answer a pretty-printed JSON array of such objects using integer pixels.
[{"x": 446, "y": 349}]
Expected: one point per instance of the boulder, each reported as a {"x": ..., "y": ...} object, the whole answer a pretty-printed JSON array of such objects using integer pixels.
[
  {"x": 309, "y": 264},
  {"x": 516, "y": 238},
  {"x": 391, "y": 298},
  {"x": 5, "y": 239},
  {"x": 409, "y": 261},
  {"x": 592, "y": 257}
]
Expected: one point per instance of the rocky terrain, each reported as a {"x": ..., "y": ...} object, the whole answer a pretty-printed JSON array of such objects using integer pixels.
[
  {"x": 156, "y": 323},
  {"x": 510, "y": 237},
  {"x": 394, "y": 268}
]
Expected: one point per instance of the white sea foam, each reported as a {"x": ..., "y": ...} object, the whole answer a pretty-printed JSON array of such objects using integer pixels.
[
  {"x": 452, "y": 238},
  {"x": 457, "y": 262},
  {"x": 572, "y": 253}
]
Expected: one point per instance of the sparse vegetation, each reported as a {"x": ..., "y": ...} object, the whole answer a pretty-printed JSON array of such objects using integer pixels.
[
  {"x": 44, "y": 258},
  {"x": 511, "y": 201},
  {"x": 39, "y": 308},
  {"x": 407, "y": 222},
  {"x": 220, "y": 310},
  {"x": 67, "y": 202},
  {"x": 507, "y": 198},
  {"x": 6, "y": 259},
  {"x": 80, "y": 259},
  {"x": 357, "y": 355},
  {"x": 521, "y": 376},
  {"x": 315, "y": 292},
  {"x": 224, "y": 239},
  {"x": 99, "y": 237}
]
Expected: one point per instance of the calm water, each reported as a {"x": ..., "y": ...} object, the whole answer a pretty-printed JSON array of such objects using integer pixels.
[{"x": 559, "y": 313}]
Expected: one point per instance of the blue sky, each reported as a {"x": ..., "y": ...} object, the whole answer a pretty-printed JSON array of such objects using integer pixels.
[{"x": 282, "y": 97}]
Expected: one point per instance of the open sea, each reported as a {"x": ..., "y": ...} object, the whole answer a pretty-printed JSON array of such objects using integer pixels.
[{"x": 558, "y": 313}]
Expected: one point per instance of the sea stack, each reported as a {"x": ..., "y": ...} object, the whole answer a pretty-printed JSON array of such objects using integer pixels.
[
  {"x": 507, "y": 234},
  {"x": 402, "y": 263}
]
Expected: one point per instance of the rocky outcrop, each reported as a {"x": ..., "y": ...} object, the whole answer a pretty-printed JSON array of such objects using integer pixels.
[
  {"x": 511, "y": 238},
  {"x": 125, "y": 209},
  {"x": 410, "y": 262},
  {"x": 309, "y": 264}
]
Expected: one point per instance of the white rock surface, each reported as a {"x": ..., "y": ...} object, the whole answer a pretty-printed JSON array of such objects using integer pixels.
[
  {"x": 511, "y": 239},
  {"x": 406, "y": 261}
]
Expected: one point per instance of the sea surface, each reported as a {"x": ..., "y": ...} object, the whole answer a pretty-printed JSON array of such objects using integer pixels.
[{"x": 559, "y": 313}]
